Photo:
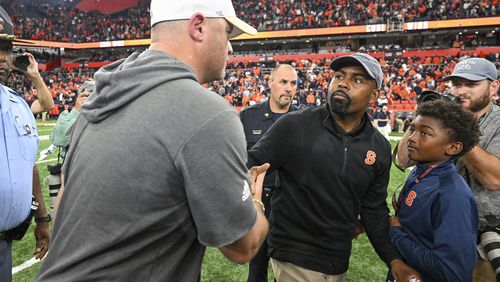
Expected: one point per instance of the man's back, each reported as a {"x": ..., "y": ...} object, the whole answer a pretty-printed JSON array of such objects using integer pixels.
[{"x": 142, "y": 191}]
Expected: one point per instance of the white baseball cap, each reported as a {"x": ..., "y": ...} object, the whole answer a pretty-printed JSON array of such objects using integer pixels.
[{"x": 172, "y": 10}]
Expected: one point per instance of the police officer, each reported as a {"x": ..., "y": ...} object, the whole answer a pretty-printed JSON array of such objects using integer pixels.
[
  {"x": 18, "y": 150},
  {"x": 256, "y": 120}
]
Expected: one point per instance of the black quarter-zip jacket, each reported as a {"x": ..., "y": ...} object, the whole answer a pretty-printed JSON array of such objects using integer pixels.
[{"x": 327, "y": 178}]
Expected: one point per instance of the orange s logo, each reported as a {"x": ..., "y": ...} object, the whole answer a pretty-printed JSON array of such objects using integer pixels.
[
  {"x": 411, "y": 196},
  {"x": 370, "y": 157}
]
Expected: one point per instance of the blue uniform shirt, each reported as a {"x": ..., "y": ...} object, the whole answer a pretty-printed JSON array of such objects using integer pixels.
[
  {"x": 18, "y": 150},
  {"x": 256, "y": 120}
]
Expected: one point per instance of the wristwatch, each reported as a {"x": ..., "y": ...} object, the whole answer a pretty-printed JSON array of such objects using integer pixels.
[{"x": 47, "y": 218}]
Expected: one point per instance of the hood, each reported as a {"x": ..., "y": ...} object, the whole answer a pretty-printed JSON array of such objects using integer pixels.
[{"x": 121, "y": 82}]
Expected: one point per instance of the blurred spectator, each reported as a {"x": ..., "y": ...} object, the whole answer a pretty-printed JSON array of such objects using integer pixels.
[{"x": 382, "y": 121}]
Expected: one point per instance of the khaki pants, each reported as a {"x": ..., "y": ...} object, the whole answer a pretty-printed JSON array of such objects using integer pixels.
[
  {"x": 483, "y": 272},
  {"x": 289, "y": 272}
]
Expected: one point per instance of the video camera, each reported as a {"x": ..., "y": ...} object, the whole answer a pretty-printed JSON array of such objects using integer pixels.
[
  {"x": 21, "y": 62},
  {"x": 430, "y": 95},
  {"x": 54, "y": 181}
]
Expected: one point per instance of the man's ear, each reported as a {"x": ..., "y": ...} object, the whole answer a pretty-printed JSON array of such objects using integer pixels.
[
  {"x": 375, "y": 95},
  {"x": 197, "y": 27},
  {"x": 494, "y": 88},
  {"x": 454, "y": 148}
]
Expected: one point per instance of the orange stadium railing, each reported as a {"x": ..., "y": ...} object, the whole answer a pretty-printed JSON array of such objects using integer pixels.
[
  {"x": 480, "y": 51},
  {"x": 376, "y": 28}
]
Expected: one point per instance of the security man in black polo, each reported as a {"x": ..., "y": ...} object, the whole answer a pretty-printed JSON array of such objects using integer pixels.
[{"x": 256, "y": 120}]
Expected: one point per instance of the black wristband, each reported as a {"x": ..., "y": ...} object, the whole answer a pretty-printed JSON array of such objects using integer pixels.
[{"x": 47, "y": 218}]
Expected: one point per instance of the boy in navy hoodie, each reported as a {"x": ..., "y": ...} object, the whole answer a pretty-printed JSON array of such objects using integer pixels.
[{"x": 435, "y": 227}]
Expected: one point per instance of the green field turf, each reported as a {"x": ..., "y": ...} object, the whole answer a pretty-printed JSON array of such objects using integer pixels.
[{"x": 364, "y": 263}]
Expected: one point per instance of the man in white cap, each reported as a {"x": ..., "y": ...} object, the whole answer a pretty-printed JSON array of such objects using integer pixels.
[
  {"x": 143, "y": 205},
  {"x": 333, "y": 166},
  {"x": 475, "y": 82}
]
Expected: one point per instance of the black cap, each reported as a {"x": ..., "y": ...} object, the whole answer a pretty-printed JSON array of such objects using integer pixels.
[{"x": 7, "y": 28}]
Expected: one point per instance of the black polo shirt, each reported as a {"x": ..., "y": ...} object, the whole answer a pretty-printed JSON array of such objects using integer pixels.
[{"x": 327, "y": 178}]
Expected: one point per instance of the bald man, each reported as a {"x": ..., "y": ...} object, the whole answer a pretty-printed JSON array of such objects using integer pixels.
[
  {"x": 256, "y": 120},
  {"x": 144, "y": 206}
]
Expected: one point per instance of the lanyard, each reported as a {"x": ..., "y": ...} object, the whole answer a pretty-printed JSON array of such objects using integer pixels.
[{"x": 406, "y": 189}]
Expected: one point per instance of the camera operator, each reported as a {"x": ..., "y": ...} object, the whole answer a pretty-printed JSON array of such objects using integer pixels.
[
  {"x": 61, "y": 134},
  {"x": 61, "y": 137},
  {"x": 475, "y": 84},
  {"x": 19, "y": 182}
]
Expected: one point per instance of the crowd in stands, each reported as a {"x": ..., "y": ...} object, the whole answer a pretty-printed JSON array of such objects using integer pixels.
[
  {"x": 406, "y": 78},
  {"x": 39, "y": 20},
  {"x": 247, "y": 83},
  {"x": 48, "y": 22},
  {"x": 279, "y": 15},
  {"x": 62, "y": 83}
]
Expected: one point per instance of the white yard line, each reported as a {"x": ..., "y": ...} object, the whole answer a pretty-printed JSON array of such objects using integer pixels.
[
  {"x": 24, "y": 265},
  {"x": 396, "y": 138},
  {"x": 47, "y": 151},
  {"x": 46, "y": 161}
]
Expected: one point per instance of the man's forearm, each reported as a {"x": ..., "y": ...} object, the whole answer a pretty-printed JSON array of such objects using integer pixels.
[
  {"x": 376, "y": 227},
  {"x": 37, "y": 193},
  {"x": 401, "y": 159},
  {"x": 484, "y": 166},
  {"x": 46, "y": 103}
]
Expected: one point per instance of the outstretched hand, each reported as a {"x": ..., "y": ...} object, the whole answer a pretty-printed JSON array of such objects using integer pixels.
[{"x": 256, "y": 176}]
